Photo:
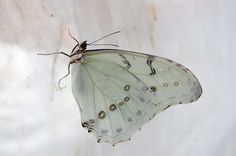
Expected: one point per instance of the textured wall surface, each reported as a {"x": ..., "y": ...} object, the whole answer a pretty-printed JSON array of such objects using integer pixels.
[{"x": 38, "y": 119}]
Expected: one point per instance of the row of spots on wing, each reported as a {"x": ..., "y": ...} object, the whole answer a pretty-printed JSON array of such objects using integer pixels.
[
  {"x": 113, "y": 107},
  {"x": 154, "y": 89}
]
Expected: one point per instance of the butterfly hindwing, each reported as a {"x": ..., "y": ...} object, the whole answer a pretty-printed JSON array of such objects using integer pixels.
[{"x": 118, "y": 91}]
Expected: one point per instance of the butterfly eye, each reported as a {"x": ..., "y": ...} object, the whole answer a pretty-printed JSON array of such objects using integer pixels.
[
  {"x": 101, "y": 115},
  {"x": 83, "y": 45}
]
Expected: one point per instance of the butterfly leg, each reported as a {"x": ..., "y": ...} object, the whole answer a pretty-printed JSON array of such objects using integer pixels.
[{"x": 68, "y": 73}]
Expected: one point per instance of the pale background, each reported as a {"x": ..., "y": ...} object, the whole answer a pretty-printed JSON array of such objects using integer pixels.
[{"x": 37, "y": 119}]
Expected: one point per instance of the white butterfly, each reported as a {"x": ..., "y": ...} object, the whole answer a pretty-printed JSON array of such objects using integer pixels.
[{"x": 118, "y": 91}]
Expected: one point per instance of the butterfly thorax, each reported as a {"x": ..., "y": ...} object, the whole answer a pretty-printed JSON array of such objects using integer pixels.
[{"x": 78, "y": 58}]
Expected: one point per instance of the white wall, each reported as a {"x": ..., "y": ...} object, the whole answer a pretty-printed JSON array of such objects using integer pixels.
[{"x": 37, "y": 119}]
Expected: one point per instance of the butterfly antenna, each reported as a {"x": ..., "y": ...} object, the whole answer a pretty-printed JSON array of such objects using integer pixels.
[
  {"x": 106, "y": 45},
  {"x": 104, "y": 37},
  {"x": 55, "y": 54},
  {"x": 72, "y": 37},
  {"x": 77, "y": 45}
]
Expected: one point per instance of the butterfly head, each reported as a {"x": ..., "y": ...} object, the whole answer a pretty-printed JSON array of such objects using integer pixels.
[
  {"x": 83, "y": 46},
  {"x": 77, "y": 52}
]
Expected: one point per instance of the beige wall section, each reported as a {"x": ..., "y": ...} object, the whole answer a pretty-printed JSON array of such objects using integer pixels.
[
  {"x": 49, "y": 21},
  {"x": 37, "y": 119}
]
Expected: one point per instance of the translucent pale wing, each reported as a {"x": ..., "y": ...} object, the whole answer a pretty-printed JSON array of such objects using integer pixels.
[{"x": 118, "y": 91}]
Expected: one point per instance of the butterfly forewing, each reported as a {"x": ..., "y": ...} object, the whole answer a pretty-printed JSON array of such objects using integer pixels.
[{"x": 118, "y": 91}]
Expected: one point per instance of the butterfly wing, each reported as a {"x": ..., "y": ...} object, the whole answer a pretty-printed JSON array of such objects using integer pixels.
[{"x": 118, "y": 91}]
